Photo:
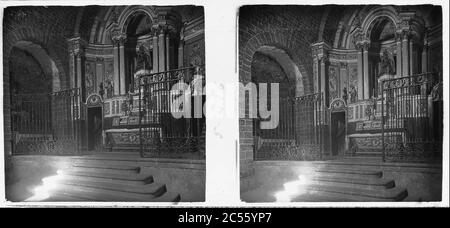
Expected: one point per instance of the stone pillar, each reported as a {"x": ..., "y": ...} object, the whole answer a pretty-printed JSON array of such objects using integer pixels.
[
  {"x": 324, "y": 79},
  {"x": 180, "y": 54},
  {"x": 122, "y": 75},
  {"x": 360, "y": 73},
  {"x": 80, "y": 75},
  {"x": 99, "y": 71},
  {"x": 162, "y": 50},
  {"x": 411, "y": 58},
  {"x": 366, "y": 76},
  {"x": 155, "y": 53},
  {"x": 116, "y": 69},
  {"x": 168, "y": 55},
  {"x": 316, "y": 75},
  {"x": 73, "y": 69},
  {"x": 399, "y": 56},
  {"x": 405, "y": 55},
  {"x": 425, "y": 59}
]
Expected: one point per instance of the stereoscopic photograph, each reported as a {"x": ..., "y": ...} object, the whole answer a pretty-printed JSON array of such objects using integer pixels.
[
  {"x": 98, "y": 103},
  {"x": 340, "y": 103}
]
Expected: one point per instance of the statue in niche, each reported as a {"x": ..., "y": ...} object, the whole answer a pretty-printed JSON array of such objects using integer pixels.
[
  {"x": 90, "y": 83},
  {"x": 144, "y": 59},
  {"x": 109, "y": 83},
  {"x": 353, "y": 94},
  {"x": 386, "y": 64},
  {"x": 144, "y": 64}
]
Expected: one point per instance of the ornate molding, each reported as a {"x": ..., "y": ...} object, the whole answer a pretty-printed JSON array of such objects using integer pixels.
[{"x": 77, "y": 46}]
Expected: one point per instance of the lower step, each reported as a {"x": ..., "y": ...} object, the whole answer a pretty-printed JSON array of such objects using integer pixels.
[
  {"x": 81, "y": 193},
  {"x": 393, "y": 194}
]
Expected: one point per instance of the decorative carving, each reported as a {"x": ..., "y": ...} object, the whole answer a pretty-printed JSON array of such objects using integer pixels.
[
  {"x": 109, "y": 82},
  {"x": 353, "y": 84},
  {"x": 90, "y": 79},
  {"x": 144, "y": 59},
  {"x": 94, "y": 100},
  {"x": 332, "y": 83},
  {"x": 386, "y": 64},
  {"x": 337, "y": 105}
]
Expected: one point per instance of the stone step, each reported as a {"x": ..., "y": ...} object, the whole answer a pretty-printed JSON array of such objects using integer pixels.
[
  {"x": 102, "y": 165},
  {"x": 135, "y": 179},
  {"x": 155, "y": 189},
  {"x": 366, "y": 183},
  {"x": 348, "y": 172},
  {"x": 91, "y": 194},
  {"x": 392, "y": 194},
  {"x": 369, "y": 153},
  {"x": 97, "y": 167}
]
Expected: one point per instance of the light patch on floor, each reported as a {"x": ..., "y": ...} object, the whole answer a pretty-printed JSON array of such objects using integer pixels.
[{"x": 49, "y": 183}]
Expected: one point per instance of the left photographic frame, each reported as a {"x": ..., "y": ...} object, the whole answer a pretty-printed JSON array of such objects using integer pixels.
[{"x": 97, "y": 103}]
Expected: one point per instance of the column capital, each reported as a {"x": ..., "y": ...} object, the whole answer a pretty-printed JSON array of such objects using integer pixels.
[
  {"x": 119, "y": 39},
  {"x": 343, "y": 65},
  {"x": 76, "y": 46}
]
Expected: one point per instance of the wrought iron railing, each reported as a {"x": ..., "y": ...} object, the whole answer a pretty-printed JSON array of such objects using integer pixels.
[
  {"x": 46, "y": 123},
  {"x": 161, "y": 132},
  {"x": 411, "y": 118},
  {"x": 299, "y": 134}
]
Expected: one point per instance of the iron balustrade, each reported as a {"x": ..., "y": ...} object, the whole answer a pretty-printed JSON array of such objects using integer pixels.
[
  {"x": 299, "y": 134},
  {"x": 46, "y": 123},
  {"x": 161, "y": 134},
  {"x": 411, "y": 118}
]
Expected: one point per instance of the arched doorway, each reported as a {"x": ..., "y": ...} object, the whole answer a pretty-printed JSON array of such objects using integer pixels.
[
  {"x": 273, "y": 65},
  {"x": 33, "y": 76},
  {"x": 44, "y": 119}
]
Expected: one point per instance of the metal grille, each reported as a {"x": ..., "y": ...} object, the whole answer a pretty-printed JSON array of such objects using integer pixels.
[
  {"x": 161, "y": 134},
  {"x": 411, "y": 128},
  {"x": 46, "y": 123},
  {"x": 299, "y": 134}
]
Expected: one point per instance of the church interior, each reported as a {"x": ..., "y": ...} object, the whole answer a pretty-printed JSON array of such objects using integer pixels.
[
  {"x": 360, "y": 88},
  {"x": 88, "y": 95}
]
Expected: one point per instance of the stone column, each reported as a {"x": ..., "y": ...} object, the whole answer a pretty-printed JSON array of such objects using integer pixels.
[
  {"x": 162, "y": 50},
  {"x": 155, "y": 53},
  {"x": 116, "y": 69},
  {"x": 324, "y": 79},
  {"x": 180, "y": 53},
  {"x": 360, "y": 73},
  {"x": 99, "y": 71},
  {"x": 316, "y": 74},
  {"x": 80, "y": 74},
  {"x": 425, "y": 59},
  {"x": 405, "y": 55},
  {"x": 366, "y": 76},
  {"x": 168, "y": 56},
  {"x": 343, "y": 79},
  {"x": 73, "y": 69},
  {"x": 399, "y": 55},
  {"x": 122, "y": 75},
  {"x": 411, "y": 58}
]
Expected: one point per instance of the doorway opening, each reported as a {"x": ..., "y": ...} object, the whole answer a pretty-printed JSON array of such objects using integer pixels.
[
  {"x": 338, "y": 132},
  {"x": 95, "y": 126}
]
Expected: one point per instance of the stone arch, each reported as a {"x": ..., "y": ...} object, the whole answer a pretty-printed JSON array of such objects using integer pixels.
[
  {"x": 129, "y": 11},
  {"x": 40, "y": 38},
  {"x": 378, "y": 13},
  {"x": 279, "y": 40},
  {"x": 287, "y": 64},
  {"x": 46, "y": 63},
  {"x": 35, "y": 42}
]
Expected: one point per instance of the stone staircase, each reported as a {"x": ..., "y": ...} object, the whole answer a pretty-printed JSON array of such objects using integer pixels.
[
  {"x": 346, "y": 183},
  {"x": 91, "y": 179}
]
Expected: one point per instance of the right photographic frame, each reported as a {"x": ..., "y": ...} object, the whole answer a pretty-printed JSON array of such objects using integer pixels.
[{"x": 340, "y": 103}]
